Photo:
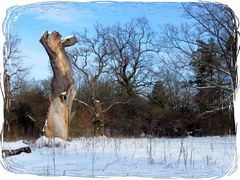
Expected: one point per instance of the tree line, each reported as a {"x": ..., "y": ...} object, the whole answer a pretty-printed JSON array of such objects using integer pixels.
[{"x": 133, "y": 80}]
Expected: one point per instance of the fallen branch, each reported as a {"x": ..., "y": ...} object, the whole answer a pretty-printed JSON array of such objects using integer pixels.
[{"x": 7, "y": 153}]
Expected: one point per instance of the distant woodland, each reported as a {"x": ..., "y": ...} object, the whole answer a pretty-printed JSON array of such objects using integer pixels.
[{"x": 134, "y": 81}]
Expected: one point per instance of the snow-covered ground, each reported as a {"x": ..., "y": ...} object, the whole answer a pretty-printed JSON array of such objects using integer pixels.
[{"x": 146, "y": 157}]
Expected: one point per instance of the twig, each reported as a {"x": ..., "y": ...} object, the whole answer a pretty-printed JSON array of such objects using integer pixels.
[{"x": 30, "y": 117}]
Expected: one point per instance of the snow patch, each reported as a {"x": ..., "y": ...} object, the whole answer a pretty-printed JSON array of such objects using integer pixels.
[
  {"x": 43, "y": 141},
  {"x": 13, "y": 145},
  {"x": 192, "y": 157}
]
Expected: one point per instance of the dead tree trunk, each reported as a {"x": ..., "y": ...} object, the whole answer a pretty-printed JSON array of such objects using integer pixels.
[
  {"x": 62, "y": 85},
  {"x": 7, "y": 99},
  {"x": 97, "y": 121}
]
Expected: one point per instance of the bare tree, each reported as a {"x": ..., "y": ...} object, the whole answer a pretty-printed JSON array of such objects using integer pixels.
[
  {"x": 132, "y": 47},
  {"x": 91, "y": 60},
  {"x": 183, "y": 46},
  {"x": 14, "y": 71},
  {"x": 219, "y": 22},
  {"x": 121, "y": 54}
]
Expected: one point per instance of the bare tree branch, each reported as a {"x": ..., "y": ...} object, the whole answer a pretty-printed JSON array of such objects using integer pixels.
[
  {"x": 85, "y": 104},
  {"x": 115, "y": 103},
  {"x": 214, "y": 110}
]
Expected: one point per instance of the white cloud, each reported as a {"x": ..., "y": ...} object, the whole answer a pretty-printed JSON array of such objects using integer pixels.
[
  {"x": 55, "y": 16},
  {"x": 54, "y": 12}
]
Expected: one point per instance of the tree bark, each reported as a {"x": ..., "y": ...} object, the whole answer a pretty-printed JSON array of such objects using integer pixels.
[
  {"x": 7, "y": 99},
  {"x": 97, "y": 121},
  {"x": 62, "y": 85}
]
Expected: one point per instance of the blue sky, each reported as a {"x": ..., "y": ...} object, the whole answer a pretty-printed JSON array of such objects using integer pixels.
[{"x": 29, "y": 22}]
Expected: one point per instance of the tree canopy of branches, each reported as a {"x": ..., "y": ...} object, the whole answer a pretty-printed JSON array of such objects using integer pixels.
[
  {"x": 219, "y": 23},
  {"x": 131, "y": 50},
  {"x": 120, "y": 54},
  {"x": 90, "y": 59},
  {"x": 203, "y": 52},
  {"x": 207, "y": 46},
  {"x": 14, "y": 71},
  {"x": 12, "y": 61}
]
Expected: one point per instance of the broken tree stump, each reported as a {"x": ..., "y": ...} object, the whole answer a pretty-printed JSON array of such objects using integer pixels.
[
  {"x": 7, "y": 153},
  {"x": 62, "y": 85}
]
